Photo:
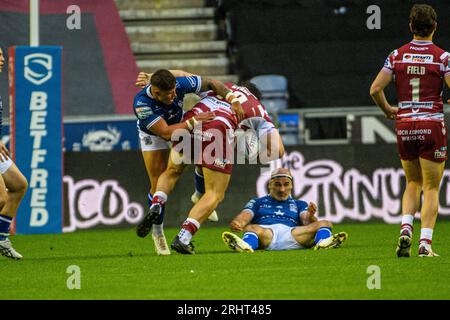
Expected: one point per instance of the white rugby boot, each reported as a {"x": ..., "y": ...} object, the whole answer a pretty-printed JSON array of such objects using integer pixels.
[
  {"x": 335, "y": 241},
  {"x": 8, "y": 251},
  {"x": 426, "y": 252},
  {"x": 161, "y": 247},
  {"x": 235, "y": 243}
]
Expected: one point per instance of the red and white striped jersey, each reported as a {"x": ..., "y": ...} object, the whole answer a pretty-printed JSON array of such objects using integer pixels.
[
  {"x": 255, "y": 112},
  {"x": 419, "y": 68}
]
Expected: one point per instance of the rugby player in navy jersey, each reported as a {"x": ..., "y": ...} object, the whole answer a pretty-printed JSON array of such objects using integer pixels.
[
  {"x": 280, "y": 222},
  {"x": 159, "y": 109},
  {"x": 214, "y": 155},
  {"x": 420, "y": 69},
  {"x": 13, "y": 186}
]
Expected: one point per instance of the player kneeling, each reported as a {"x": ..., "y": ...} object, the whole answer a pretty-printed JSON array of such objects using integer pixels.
[{"x": 279, "y": 222}]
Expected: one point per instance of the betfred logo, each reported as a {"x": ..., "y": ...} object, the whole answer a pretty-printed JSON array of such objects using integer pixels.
[
  {"x": 38, "y": 68},
  {"x": 417, "y": 58}
]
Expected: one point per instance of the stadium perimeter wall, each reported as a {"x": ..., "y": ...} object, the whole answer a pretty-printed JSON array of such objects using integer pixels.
[{"x": 348, "y": 182}]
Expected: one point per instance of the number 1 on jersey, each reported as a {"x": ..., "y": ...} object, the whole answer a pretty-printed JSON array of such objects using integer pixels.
[{"x": 415, "y": 83}]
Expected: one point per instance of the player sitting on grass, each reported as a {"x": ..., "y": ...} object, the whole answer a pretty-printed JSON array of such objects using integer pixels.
[{"x": 279, "y": 222}]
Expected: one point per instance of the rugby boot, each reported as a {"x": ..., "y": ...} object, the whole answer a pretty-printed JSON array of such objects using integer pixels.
[
  {"x": 235, "y": 243},
  {"x": 8, "y": 251},
  {"x": 404, "y": 244},
  {"x": 182, "y": 248},
  {"x": 144, "y": 227},
  {"x": 335, "y": 241}
]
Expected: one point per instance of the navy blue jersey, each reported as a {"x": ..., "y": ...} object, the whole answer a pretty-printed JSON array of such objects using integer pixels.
[
  {"x": 149, "y": 111},
  {"x": 266, "y": 210}
]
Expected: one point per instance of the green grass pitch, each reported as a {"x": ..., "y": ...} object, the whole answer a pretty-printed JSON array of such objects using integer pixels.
[{"x": 116, "y": 264}]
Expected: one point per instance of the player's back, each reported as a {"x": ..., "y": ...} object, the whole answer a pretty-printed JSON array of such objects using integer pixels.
[
  {"x": 418, "y": 68},
  {"x": 252, "y": 107}
]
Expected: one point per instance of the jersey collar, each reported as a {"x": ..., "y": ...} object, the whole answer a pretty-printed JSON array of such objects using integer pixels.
[
  {"x": 421, "y": 42},
  {"x": 289, "y": 198},
  {"x": 149, "y": 91}
]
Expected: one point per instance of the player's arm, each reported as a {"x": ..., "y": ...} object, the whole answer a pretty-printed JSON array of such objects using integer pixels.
[
  {"x": 165, "y": 131},
  {"x": 220, "y": 89},
  {"x": 241, "y": 220},
  {"x": 308, "y": 216},
  {"x": 4, "y": 151},
  {"x": 377, "y": 93},
  {"x": 143, "y": 78},
  {"x": 273, "y": 143},
  {"x": 447, "y": 81}
]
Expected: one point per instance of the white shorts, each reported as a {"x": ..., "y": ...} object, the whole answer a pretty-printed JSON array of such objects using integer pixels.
[
  {"x": 5, "y": 164},
  {"x": 282, "y": 237},
  {"x": 151, "y": 142}
]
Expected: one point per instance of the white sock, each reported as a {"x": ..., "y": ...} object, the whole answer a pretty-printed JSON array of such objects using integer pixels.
[
  {"x": 407, "y": 223},
  {"x": 189, "y": 228},
  {"x": 157, "y": 229},
  {"x": 426, "y": 236},
  {"x": 161, "y": 195}
]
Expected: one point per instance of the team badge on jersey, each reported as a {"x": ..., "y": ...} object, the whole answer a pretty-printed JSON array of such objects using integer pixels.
[{"x": 293, "y": 207}]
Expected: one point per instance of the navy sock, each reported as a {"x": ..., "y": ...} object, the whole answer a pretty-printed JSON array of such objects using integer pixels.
[
  {"x": 160, "y": 220},
  {"x": 321, "y": 234},
  {"x": 5, "y": 223},
  {"x": 252, "y": 239},
  {"x": 149, "y": 199},
  {"x": 199, "y": 182}
]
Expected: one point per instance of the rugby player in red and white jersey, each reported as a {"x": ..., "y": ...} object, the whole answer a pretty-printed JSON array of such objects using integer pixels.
[
  {"x": 420, "y": 69},
  {"x": 214, "y": 157}
]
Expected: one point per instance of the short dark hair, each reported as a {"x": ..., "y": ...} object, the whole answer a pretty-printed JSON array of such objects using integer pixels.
[
  {"x": 163, "y": 79},
  {"x": 252, "y": 88},
  {"x": 423, "y": 19}
]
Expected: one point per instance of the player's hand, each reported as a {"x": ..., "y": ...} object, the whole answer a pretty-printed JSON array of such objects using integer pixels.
[
  {"x": 3, "y": 152},
  {"x": 143, "y": 79},
  {"x": 205, "y": 116},
  {"x": 391, "y": 113},
  {"x": 237, "y": 108},
  {"x": 236, "y": 226},
  {"x": 448, "y": 101},
  {"x": 312, "y": 208},
  {"x": 308, "y": 216}
]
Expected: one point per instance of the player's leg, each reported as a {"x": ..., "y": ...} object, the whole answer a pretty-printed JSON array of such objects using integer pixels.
[
  {"x": 200, "y": 190},
  {"x": 155, "y": 152},
  {"x": 155, "y": 163},
  {"x": 216, "y": 183},
  {"x": 432, "y": 174},
  {"x": 410, "y": 205},
  {"x": 16, "y": 185},
  {"x": 167, "y": 182},
  {"x": 318, "y": 235},
  {"x": 255, "y": 237}
]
